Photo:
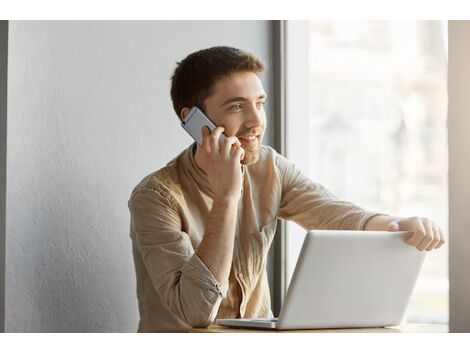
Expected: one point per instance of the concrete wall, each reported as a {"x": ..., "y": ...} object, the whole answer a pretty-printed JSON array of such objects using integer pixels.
[
  {"x": 459, "y": 176},
  {"x": 89, "y": 116}
]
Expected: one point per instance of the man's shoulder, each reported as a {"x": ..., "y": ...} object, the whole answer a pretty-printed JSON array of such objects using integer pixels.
[
  {"x": 164, "y": 180},
  {"x": 269, "y": 156},
  {"x": 267, "y": 153},
  {"x": 270, "y": 159},
  {"x": 158, "y": 179}
]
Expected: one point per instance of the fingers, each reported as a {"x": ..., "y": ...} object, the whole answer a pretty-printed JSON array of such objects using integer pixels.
[
  {"x": 213, "y": 142},
  {"x": 393, "y": 226},
  {"x": 232, "y": 148},
  {"x": 210, "y": 141},
  {"x": 436, "y": 237},
  {"x": 238, "y": 153},
  {"x": 428, "y": 236},
  {"x": 441, "y": 238},
  {"x": 214, "y": 138},
  {"x": 205, "y": 138},
  {"x": 228, "y": 143},
  {"x": 418, "y": 235}
]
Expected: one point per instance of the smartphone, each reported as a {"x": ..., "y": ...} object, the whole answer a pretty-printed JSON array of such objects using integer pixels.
[{"x": 193, "y": 123}]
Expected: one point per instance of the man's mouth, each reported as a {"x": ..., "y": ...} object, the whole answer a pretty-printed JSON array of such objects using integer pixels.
[
  {"x": 249, "y": 141},
  {"x": 248, "y": 138}
]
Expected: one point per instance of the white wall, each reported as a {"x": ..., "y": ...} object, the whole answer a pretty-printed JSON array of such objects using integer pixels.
[
  {"x": 459, "y": 176},
  {"x": 89, "y": 116}
]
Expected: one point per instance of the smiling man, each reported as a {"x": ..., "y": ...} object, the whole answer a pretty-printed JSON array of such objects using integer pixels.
[{"x": 201, "y": 227}]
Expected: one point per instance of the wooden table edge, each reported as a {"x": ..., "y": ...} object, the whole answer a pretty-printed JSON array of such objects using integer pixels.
[{"x": 403, "y": 328}]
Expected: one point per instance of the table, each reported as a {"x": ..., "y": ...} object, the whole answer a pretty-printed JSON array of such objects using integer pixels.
[{"x": 414, "y": 328}]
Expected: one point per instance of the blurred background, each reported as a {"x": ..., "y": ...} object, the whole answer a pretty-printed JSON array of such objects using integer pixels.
[{"x": 377, "y": 131}]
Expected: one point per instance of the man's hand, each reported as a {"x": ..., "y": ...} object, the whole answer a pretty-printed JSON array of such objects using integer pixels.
[
  {"x": 427, "y": 235},
  {"x": 223, "y": 167}
]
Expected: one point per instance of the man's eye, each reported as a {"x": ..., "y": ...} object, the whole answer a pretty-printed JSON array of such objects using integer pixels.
[
  {"x": 261, "y": 104},
  {"x": 236, "y": 107}
]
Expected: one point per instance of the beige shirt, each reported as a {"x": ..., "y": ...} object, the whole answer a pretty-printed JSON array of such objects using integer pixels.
[{"x": 169, "y": 208}]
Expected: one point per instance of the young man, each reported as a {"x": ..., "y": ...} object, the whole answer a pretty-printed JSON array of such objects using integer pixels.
[{"x": 201, "y": 227}]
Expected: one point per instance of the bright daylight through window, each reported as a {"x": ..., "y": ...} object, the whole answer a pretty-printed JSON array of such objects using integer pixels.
[{"x": 377, "y": 101}]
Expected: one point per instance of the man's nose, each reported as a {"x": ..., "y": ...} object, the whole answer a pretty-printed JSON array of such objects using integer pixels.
[{"x": 254, "y": 117}]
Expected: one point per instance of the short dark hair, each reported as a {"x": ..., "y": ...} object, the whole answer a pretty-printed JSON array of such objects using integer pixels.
[{"x": 195, "y": 76}]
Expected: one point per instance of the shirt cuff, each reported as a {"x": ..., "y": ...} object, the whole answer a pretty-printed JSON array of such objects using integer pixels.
[
  {"x": 196, "y": 270},
  {"x": 363, "y": 222}
]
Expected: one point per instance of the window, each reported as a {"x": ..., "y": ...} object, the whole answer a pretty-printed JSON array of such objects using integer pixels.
[{"x": 374, "y": 101}]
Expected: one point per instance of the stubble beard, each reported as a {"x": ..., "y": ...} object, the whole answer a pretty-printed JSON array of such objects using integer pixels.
[{"x": 251, "y": 157}]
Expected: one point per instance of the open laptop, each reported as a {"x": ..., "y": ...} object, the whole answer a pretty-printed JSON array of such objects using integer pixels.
[{"x": 346, "y": 279}]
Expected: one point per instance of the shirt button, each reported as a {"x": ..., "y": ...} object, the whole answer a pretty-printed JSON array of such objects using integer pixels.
[{"x": 240, "y": 275}]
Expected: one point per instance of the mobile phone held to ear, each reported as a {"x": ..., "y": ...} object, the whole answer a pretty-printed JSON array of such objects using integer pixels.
[{"x": 193, "y": 123}]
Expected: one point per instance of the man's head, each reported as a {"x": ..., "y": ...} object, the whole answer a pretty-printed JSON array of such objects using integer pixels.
[{"x": 224, "y": 83}]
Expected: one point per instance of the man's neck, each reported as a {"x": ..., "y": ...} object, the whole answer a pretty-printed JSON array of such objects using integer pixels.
[{"x": 199, "y": 159}]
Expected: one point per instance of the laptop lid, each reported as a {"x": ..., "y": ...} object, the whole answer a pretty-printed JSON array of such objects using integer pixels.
[{"x": 351, "y": 279}]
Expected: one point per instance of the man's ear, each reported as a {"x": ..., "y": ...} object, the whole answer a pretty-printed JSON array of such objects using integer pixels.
[{"x": 184, "y": 112}]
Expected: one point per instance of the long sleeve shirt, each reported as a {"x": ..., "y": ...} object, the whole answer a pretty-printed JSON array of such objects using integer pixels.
[{"x": 169, "y": 209}]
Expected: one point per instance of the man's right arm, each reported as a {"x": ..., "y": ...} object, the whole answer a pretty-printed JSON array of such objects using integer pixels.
[
  {"x": 223, "y": 169},
  {"x": 184, "y": 283},
  {"x": 190, "y": 284},
  {"x": 216, "y": 248}
]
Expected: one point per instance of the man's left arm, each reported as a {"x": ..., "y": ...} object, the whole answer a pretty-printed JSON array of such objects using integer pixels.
[
  {"x": 312, "y": 206},
  {"x": 427, "y": 235}
]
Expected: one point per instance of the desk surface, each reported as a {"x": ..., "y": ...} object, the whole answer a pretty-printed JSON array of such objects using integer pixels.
[{"x": 400, "y": 328}]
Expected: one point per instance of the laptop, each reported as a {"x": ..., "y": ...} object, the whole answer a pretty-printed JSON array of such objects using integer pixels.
[{"x": 346, "y": 279}]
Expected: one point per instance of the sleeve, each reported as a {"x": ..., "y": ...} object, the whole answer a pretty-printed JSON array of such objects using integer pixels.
[
  {"x": 312, "y": 206},
  {"x": 185, "y": 285}
]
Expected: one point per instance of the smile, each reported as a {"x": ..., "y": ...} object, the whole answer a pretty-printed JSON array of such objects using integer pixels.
[{"x": 248, "y": 138}]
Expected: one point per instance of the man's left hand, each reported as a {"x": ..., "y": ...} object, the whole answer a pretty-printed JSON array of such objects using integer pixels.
[{"x": 427, "y": 235}]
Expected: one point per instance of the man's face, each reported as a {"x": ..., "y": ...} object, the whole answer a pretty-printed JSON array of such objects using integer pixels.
[{"x": 237, "y": 104}]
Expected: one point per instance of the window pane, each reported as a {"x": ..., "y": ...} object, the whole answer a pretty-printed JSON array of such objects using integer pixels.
[{"x": 378, "y": 137}]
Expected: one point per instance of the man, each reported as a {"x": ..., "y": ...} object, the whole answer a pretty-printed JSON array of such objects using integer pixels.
[{"x": 201, "y": 227}]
